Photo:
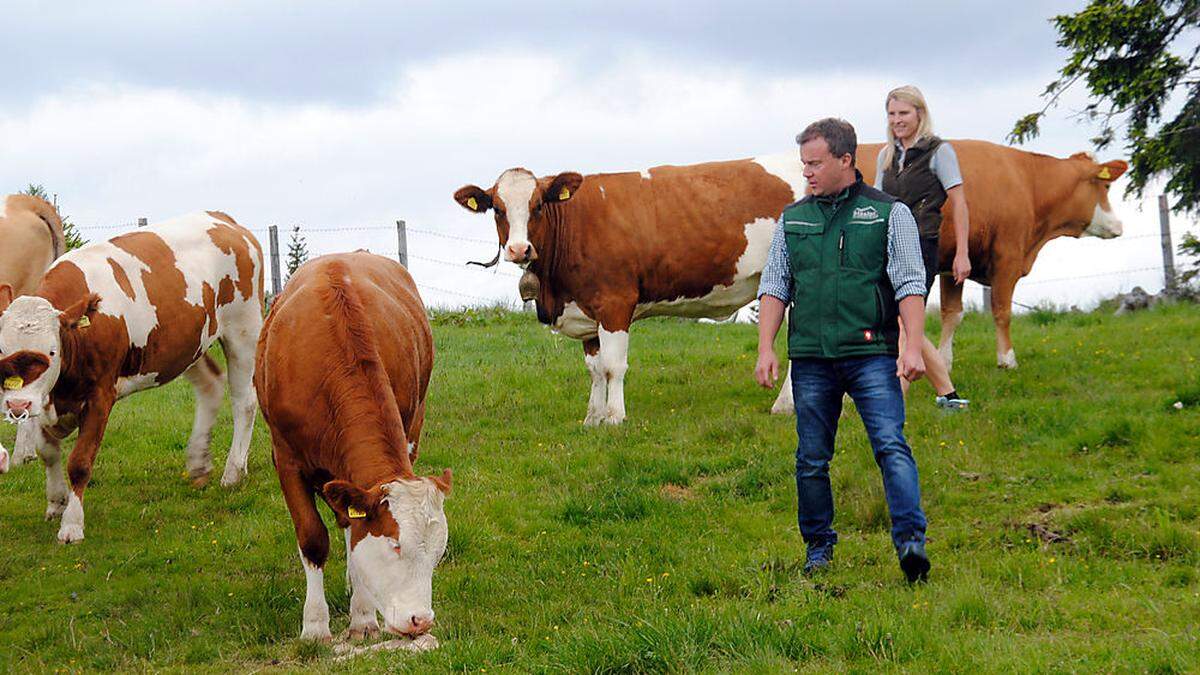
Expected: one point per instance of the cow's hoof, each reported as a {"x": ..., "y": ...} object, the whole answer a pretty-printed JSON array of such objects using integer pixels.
[
  {"x": 316, "y": 634},
  {"x": 200, "y": 481},
  {"x": 593, "y": 419},
  {"x": 69, "y": 534},
  {"x": 1007, "y": 361},
  {"x": 233, "y": 475},
  {"x": 614, "y": 419},
  {"x": 363, "y": 632},
  {"x": 55, "y": 509}
]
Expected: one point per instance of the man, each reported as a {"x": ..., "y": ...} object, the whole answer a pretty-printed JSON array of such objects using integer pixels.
[{"x": 847, "y": 259}]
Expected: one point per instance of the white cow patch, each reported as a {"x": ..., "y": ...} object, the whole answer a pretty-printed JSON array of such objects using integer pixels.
[
  {"x": 787, "y": 168},
  {"x": 136, "y": 383},
  {"x": 575, "y": 324},
  {"x": 71, "y": 528},
  {"x": 516, "y": 188},
  {"x": 1105, "y": 224},
  {"x": 316, "y": 611},
  {"x": 645, "y": 173}
]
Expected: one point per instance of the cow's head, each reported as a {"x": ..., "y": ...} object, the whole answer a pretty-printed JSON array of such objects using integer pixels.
[
  {"x": 397, "y": 536},
  {"x": 518, "y": 199},
  {"x": 1087, "y": 204},
  {"x": 32, "y": 333}
]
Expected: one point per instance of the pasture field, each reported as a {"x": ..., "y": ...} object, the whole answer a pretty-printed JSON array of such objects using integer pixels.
[{"x": 1064, "y": 520}]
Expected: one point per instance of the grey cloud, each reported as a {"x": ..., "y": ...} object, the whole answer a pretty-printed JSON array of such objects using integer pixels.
[{"x": 349, "y": 52}]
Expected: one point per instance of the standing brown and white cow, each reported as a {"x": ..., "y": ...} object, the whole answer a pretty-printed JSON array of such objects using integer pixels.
[
  {"x": 343, "y": 366},
  {"x": 691, "y": 241},
  {"x": 116, "y": 317},
  {"x": 33, "y": 237},
  {"x": 1018, "y": 201}
]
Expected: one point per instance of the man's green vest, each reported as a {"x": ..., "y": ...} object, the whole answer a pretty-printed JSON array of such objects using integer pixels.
[{"x": 843, "y": 303}]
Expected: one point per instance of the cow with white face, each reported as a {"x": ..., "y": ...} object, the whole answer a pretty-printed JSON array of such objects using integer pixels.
[
  {"x": 344, "y": 363},
  {"x": 117, "y": 317}
]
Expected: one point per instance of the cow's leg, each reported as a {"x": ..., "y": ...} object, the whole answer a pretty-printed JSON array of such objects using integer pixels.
[
  {"x": 614, "y": 360},
  {"x": 599, "y": 396},
  {"x": 952, "y": 314},
  {"x": 208, "y": 383},
  {"x": 239, "y": 353},
  {"x": 414, "y": 433},
  {"x": 313, "y": 541},
  {"x": 363, "y": 620},
  {"x": 79, "y": 466},
  {"x": 3, "y": 459},
  {"x": 48, "y": 449},
  {"x": 784, "y": 404},
  {"x": 1002, "y": 295}
]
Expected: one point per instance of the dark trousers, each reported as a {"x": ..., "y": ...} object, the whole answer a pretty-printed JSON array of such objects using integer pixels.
[{"x": 817, "y": 387}]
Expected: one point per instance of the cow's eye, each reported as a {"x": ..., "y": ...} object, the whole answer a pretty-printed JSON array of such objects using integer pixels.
[{"x": 51, "y": 352}]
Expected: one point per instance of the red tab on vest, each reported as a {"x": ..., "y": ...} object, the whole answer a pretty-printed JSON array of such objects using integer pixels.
[{"x": 868, "y": 335}]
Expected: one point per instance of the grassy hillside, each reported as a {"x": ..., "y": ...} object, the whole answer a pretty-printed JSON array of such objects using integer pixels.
[{"x": 1064, "y": 520}]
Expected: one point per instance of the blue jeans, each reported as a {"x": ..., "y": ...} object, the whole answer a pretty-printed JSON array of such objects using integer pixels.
[{"x": 817, "y": 387}]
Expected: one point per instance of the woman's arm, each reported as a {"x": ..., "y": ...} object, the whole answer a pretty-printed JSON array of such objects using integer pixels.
[{"x": 962, "y": 233}]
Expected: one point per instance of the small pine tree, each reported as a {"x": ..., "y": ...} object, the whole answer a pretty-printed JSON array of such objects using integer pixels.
[
  {"x": 1190, "y": 247},
  {"x": 71, "y": 236},
  {"x": 297, "y": 251}
]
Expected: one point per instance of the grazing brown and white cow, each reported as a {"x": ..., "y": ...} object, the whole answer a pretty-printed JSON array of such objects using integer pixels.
[
  {"x": 33, "y": 237},
  {"x": 116, "y": 317},
  {"x": 343, "y": 366},
  {"x": 1018, "y": 201},
  {"x": 691, "y": 241}
]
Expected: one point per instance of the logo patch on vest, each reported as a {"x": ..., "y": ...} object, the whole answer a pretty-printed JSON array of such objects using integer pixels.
[
  {"x": 865, "y": 213},
  {"x": 868, "y": 335}
]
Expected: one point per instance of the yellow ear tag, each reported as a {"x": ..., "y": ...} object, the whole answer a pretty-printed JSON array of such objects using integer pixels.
[
  {"x": 83, "y": 322},
  {"x": 472, "y": 204},
  {"x": 1104, "y": 173},
  {"x": 14, "y": 382},
  {"x": 564, "y": 195},
  {"x": 355, "y": 513}
]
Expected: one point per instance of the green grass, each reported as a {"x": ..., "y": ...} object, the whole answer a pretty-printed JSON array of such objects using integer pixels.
[{"x": 1064, "y": 521}]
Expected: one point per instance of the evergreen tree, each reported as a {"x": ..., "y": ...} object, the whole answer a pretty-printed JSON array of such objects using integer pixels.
[
  {"x": 71, "y": 236},
  {"x": 1137, "y": 59},
  {"x": 297, "y": 251}
]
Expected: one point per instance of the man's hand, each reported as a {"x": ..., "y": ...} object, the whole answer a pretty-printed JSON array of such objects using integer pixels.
[
  {"x": 910, "y": 365},
  {"x": 962, "y": 267},
  {"x": 766, "y": 371}
]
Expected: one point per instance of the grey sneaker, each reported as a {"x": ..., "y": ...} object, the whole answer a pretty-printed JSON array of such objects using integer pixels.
[{"x": 955, "y": 403}]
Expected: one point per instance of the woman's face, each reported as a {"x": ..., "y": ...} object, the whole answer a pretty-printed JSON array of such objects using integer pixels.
[{"x": 903, "y": 119}]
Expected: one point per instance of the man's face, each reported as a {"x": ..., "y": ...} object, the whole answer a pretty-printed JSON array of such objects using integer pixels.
[{"x": 826, "y": 174}]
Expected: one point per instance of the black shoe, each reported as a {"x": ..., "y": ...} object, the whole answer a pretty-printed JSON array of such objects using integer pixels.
[
  {"x": 820, "y": 557},
  {"x": 913, "y": 560}
]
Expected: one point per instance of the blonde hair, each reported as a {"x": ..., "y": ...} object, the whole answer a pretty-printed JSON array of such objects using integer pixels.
[{"x": 912, "y": 96}]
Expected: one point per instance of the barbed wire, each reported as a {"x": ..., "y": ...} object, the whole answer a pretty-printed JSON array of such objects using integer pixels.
[
  {"x": 493, "y": 272},
  {"x": 1034, "y": 282},
  {"x": 457, "y": 293}
]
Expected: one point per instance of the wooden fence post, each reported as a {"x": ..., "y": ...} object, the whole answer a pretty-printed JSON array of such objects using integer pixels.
[
  {"x": 1164, "y": 222},
  {"x": 274, "y": 237},
  {"x": 142, "y": 222},
  {"x": 402, "y": 240}
]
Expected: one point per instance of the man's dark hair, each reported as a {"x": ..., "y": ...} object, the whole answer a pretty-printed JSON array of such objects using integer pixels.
[{"x": 838, "y": 134}]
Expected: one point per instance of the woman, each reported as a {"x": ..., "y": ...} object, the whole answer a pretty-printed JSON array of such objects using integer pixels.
[{"x": 921, "y": 170}]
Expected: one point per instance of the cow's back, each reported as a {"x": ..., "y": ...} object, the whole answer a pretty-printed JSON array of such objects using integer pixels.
[
  {"x": 304, "y": 358},
  {"x": 30, "y": 230},
  {"x": 167, "y": 292}
]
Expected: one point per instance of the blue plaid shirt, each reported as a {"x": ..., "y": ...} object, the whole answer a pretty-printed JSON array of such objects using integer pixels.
[{"x": 905, "y": 267}]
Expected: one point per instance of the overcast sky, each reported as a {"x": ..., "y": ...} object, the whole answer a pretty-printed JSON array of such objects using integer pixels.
[{"x": 356, "y": 114}]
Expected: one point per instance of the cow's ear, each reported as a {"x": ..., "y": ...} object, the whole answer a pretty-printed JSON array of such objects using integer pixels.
[
  {"x": 473, "y": 198},
  {"x": 1112, "y": 170},
  {"x": 6, "y": 296},
  {"x": 351, "y": 501},
  {"x": 442, "y": 482},
  {"x": 25, "y": 366},
  {"x": 563, "y": 187},
  {"x": 80, "y": 314}
]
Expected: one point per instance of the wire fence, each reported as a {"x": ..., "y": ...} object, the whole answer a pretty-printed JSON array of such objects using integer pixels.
[{"x": 106, "y": 231}]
